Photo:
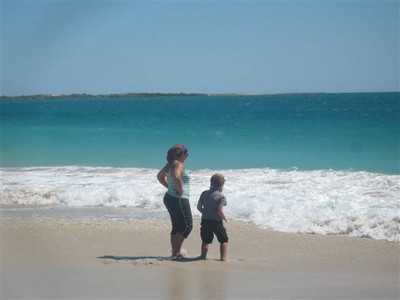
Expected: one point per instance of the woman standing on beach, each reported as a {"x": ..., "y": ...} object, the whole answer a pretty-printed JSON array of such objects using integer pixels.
[{"x": 176, "y": 179}]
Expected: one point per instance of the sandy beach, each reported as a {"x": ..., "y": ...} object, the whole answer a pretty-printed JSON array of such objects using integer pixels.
[{"x": 72, "y": 259}]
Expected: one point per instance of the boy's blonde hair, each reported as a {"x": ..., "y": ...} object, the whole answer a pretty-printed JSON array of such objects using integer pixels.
[{"x": 217, "y": 180}]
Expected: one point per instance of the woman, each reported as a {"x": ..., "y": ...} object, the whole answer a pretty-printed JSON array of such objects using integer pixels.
[{"x": 176, "y": 179}]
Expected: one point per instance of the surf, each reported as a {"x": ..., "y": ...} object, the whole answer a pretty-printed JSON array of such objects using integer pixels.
[{"x": 360, "y": 204}]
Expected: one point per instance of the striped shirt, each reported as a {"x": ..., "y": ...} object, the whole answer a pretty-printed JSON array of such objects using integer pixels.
[{"x": 185, "y": 185}]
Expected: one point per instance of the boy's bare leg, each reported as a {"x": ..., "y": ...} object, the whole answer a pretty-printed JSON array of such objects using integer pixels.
[
  {"x": 223, "y": 250},
  {"x": 204, "y": 250}
]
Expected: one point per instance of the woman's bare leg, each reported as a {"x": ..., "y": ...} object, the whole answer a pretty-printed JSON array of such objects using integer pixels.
[
  {"x": 177, "y": 244},
  {"x": 172, "y": 238}
]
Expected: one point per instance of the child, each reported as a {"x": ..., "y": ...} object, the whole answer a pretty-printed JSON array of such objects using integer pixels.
[{"x": 211, "y": 204}]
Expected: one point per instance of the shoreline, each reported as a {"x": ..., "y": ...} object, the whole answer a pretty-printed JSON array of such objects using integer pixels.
[
  {"x": 102, "y": 259},
  {"x": 90, "y": 213}
]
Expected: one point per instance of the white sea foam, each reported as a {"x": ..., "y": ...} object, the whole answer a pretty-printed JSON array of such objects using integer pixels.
[{"x": 357, "y": 204}]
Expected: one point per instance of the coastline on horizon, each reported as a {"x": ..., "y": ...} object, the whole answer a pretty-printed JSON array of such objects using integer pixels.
[{"x": 160, "y": 94}]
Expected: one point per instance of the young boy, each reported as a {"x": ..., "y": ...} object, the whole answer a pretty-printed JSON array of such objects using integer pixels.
[{"x": 211, "y": 204}]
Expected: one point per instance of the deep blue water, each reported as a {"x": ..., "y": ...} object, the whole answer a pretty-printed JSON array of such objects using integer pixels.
[{"x": 356, "y": 132}]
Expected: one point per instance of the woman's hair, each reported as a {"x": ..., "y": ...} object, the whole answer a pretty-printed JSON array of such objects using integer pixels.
[{"x": 175, "y": 151}]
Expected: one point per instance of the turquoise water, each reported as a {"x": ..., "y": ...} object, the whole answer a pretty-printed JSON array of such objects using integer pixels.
[
  {"x": 320, "y": 164},
  {"x": 351, "y": 132}
]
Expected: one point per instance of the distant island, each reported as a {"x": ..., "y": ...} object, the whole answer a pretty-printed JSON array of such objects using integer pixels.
[
  {"x": 100, "y": 96},
  {"x": 131, "y": 95},
  {"x": 153, "y": 95}
]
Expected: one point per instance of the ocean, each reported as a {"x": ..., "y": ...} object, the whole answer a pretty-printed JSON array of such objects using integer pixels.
[{"x": 306, "y": 163}]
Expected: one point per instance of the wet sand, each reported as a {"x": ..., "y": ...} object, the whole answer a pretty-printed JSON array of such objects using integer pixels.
[{"x": 72, "y": 259}]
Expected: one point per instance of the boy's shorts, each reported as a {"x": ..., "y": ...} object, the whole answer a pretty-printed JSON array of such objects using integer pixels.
[{"x": 211, "y": 227}]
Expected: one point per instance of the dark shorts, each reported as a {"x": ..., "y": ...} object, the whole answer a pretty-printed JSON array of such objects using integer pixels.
[
  {"x": 180, "y": 213},
  {"x": 211, "y": 227}
]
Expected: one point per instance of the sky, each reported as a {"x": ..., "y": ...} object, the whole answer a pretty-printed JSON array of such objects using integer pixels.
[{"x": 249, "y": 47}]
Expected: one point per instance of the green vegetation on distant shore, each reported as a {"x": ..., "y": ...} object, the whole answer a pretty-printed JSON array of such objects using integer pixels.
[
  {"x": 101, "y": 96},
  {"x": 152, "y": 95}
]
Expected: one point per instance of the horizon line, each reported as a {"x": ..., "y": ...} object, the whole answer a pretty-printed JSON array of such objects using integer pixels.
[{"x": 163, "y": 94}]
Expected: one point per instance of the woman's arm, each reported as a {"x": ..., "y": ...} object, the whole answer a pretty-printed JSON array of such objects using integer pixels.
[
  {"x": 176, "y": 171},
  {"x": 161, "y": 176}
]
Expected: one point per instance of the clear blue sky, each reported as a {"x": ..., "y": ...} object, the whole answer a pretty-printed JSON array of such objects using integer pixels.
[{"x": 63, "y": 47}]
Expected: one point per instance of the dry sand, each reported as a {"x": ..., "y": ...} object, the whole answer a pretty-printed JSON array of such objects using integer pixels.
[{"x": 129, "y": 260}]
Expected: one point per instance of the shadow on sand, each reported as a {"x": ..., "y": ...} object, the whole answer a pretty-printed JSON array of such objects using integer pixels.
[{"x": 156, "y": 258}]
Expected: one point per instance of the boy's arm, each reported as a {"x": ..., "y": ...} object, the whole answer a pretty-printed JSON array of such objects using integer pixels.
[
  {"x": 220, "y": 212},
  {"x": 200, "y": 205}
]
